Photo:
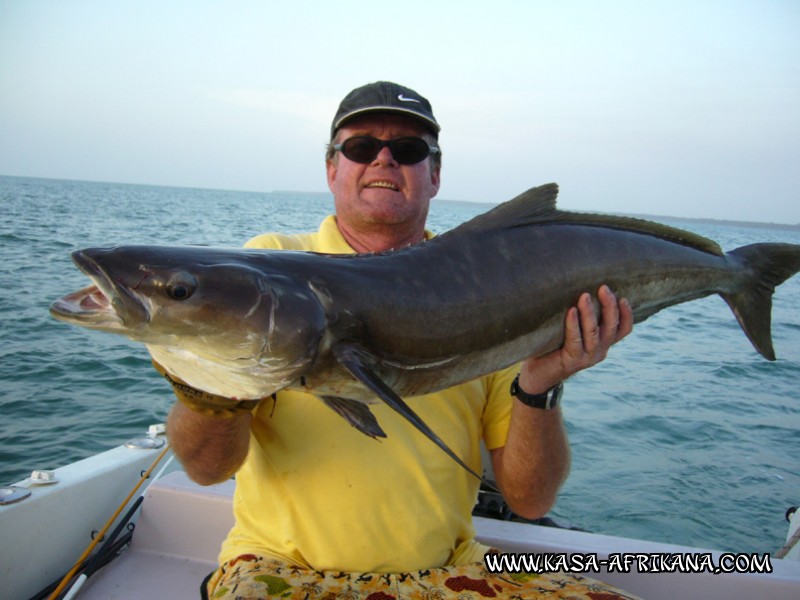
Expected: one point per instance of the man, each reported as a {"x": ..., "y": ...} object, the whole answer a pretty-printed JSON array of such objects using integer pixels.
[{"x": 315, "y": 497}]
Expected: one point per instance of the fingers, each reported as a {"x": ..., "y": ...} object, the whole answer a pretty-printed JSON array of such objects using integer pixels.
[
  {"x": 625, "y": 319},
  {"x": 616, "y": 316},
  {"x": 573, "y": 340},
  {"x": 593, "y": 337},
  {"x": 581, "y": 336},
  {"x": 591, "y": 332},
  {"x": 587, "y": 340}
]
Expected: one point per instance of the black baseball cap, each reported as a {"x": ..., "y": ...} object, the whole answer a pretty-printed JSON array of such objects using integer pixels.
[{"x": 386, "y": 97}]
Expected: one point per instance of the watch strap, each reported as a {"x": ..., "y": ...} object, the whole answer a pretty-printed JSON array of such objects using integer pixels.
[{"x": 546, "y": 400}]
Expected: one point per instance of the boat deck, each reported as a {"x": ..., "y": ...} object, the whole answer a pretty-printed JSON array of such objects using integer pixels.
[{"x": 182, "y": 524}]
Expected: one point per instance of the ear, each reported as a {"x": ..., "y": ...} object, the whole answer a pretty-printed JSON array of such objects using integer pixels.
[
  {"x": 330, "y": 169},
  {"x": 435, "y": 180}
]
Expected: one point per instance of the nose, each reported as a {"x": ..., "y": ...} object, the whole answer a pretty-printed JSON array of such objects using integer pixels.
[{"x": 385, "y": 157}]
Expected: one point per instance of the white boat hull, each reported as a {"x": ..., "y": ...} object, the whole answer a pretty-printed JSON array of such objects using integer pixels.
[{"x": 181, "y": 525}]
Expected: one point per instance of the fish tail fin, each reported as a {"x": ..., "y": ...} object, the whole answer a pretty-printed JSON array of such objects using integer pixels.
[{"x": 771, "y": 265}]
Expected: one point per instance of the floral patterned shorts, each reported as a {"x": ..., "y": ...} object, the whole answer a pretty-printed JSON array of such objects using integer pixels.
[{"x": 250, "y": 577}]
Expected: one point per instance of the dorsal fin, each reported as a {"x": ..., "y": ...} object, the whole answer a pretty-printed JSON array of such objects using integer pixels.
[{"x": 537, "y": 206}]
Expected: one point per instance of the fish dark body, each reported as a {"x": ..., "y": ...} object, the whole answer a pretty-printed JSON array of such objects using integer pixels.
[{"x": 359, "y": 328}]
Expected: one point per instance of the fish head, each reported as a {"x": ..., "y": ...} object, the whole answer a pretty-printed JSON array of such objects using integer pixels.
[
  {"x": 112, "y": 304},
  {"x": 214, "y": 306}
]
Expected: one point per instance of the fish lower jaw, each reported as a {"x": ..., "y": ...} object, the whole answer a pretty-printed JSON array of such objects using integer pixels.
[{"x": 106, "y": 323}]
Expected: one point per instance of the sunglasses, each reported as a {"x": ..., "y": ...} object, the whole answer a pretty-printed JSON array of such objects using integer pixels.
[{"x": 406, "y": 150}]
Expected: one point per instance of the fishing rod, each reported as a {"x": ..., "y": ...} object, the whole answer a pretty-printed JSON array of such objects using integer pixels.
[
  {"x": 106, "y": 556},
  {"x": 101, "y": 558},
  {"x": 100, "y": 535}
]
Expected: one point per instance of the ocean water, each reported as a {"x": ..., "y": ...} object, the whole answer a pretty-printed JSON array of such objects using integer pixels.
[{"x": 683, "y": 435}]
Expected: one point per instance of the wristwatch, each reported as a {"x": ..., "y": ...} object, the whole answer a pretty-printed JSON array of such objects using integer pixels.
[{"x": 547, "y": 400}]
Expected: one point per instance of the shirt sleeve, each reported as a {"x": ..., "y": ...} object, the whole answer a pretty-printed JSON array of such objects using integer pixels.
[{"x": 497, "y": 415}]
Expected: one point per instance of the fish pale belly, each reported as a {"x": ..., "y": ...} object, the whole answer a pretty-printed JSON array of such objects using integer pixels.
[{"x": 241, "y": 380}]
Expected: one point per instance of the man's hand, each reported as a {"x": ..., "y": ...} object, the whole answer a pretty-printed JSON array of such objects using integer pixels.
[
  {"x": 209, "y": 434},
  {"x": 586, "y": 341}
]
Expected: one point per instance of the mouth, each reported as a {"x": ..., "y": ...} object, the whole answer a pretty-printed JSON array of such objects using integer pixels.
[
  {"x": 382, "y": 184},
  {"x": 106, "y": 305}
]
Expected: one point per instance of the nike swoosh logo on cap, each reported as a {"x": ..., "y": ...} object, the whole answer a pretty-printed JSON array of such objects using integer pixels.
[{"x": 404, "y": 99}]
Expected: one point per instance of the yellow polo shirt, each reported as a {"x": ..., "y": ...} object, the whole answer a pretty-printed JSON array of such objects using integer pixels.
[{"x": 315, "y": 492}]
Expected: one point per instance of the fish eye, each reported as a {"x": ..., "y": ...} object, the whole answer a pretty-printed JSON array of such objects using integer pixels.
[{"x": 181, "y": 286}]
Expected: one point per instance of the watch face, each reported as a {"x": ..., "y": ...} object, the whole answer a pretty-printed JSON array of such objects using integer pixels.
[{"x": 555, "y": 395}]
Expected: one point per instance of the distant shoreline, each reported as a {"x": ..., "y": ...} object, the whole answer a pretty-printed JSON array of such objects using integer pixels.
[
  {"x": 704, "y": 220},
  {"x": 488, "y": 205},
  {"x": 648, "y": 217},
  {"x": 707, "y": 221}
]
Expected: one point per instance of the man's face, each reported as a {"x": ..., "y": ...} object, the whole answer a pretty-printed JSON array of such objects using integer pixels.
[{"x": 383, "y": 192}]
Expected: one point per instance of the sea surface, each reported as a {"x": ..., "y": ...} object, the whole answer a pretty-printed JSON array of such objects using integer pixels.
[{"x": 683, "y": 435}]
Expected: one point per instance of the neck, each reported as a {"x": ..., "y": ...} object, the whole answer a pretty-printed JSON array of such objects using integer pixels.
[{"x": 380, "y": 239}]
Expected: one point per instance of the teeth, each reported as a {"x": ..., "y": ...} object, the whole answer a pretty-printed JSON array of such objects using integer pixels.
[{"x": 382, "y": 184}]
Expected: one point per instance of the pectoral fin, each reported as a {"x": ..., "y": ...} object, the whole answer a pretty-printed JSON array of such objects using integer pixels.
[
  {"x": 356, "y": 361},
  {"x": 357, "y": 414}
]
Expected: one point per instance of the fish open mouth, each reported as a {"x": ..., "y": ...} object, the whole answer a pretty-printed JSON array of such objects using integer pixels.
[
  {"x": 107, "y": 305},
  {"x": 87, "y": 300}
]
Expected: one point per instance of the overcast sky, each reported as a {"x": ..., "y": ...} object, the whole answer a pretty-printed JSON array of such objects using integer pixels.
[{"x": 684, "y": 108}]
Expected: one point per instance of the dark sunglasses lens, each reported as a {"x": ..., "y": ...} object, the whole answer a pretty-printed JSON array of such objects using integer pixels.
[
  {"x": 361, "y": 149},
  {"x": 409, "y": 150},
  {"x": 405, "y": 150}
]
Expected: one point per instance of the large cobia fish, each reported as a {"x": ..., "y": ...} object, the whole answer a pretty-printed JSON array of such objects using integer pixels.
[{"x": 353, "y": 329}]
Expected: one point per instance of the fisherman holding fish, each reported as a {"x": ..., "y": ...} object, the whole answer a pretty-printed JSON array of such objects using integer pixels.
[
  {"x": 321, "y": 509},
  {"x": 434, "y": 343}
]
